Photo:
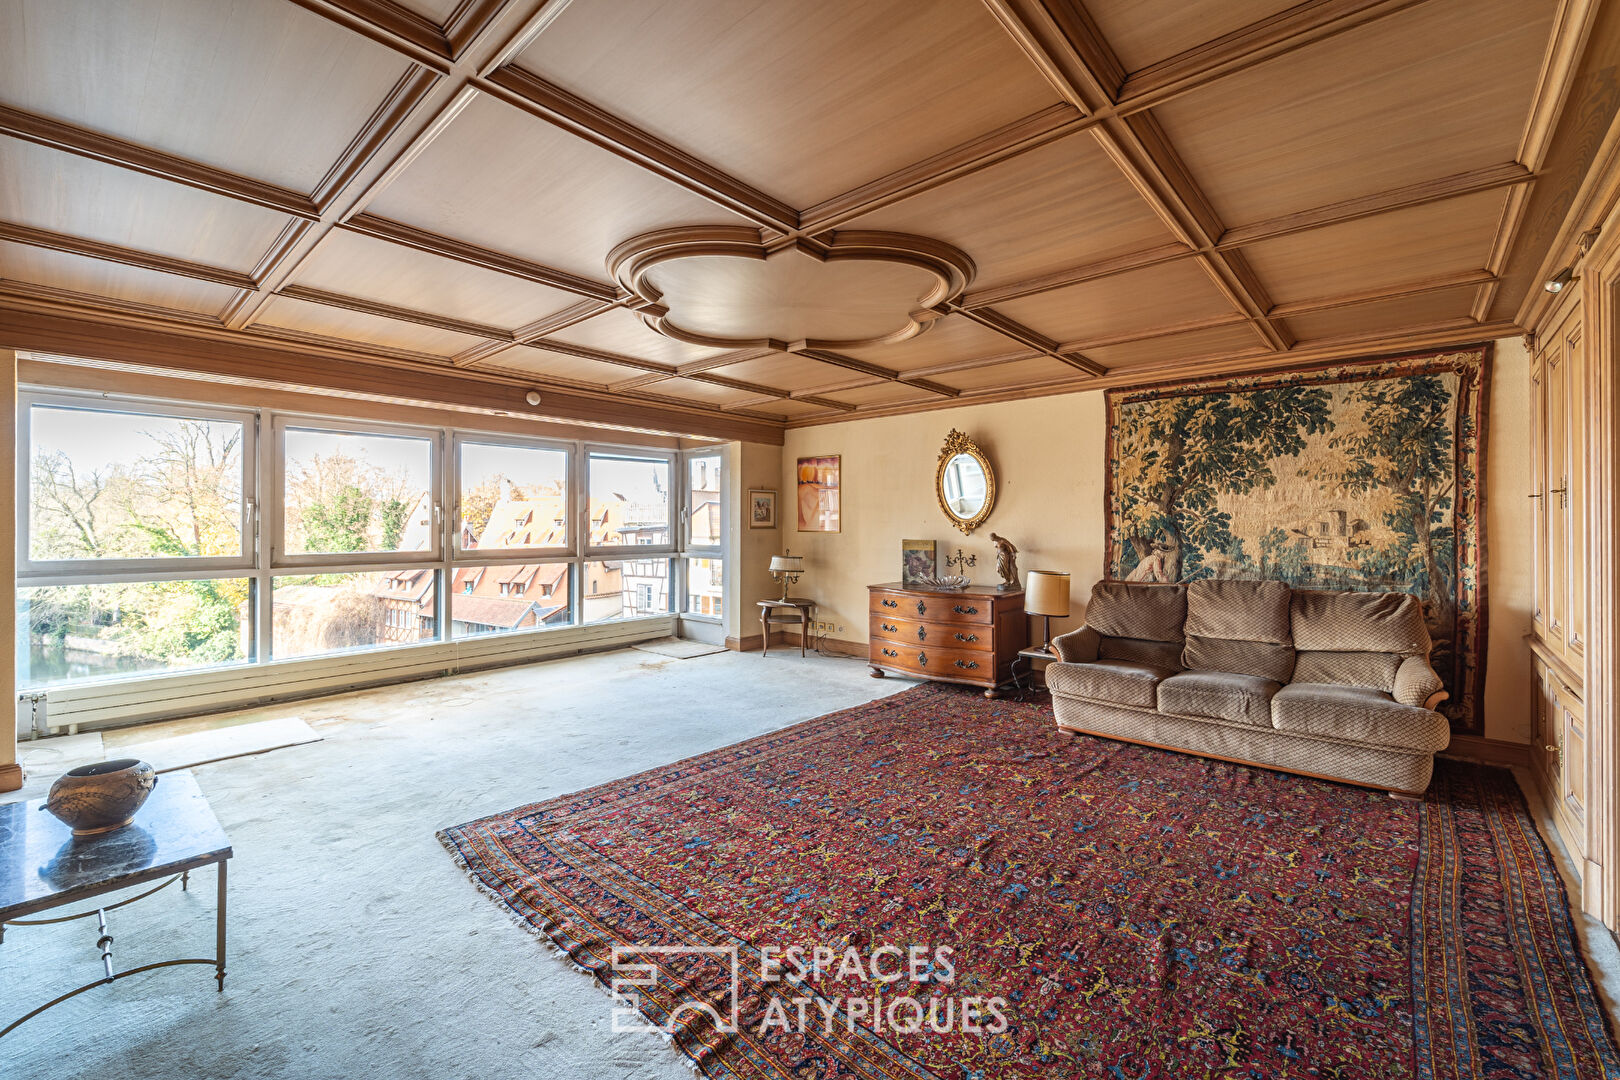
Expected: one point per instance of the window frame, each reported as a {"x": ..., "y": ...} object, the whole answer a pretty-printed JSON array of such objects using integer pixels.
[
  {"x": 676, "y": 496},
  {"x": 278, "y": 557},
  {"x": 571, "y": 527},
  {"x": 45, "y": 572}
]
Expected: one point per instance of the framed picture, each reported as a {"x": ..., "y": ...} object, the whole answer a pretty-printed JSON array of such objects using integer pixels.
[
  {"x": 818, "y": 494},
  {"x": 761, "y": 508},
  {"x": 918, "y": 559}
]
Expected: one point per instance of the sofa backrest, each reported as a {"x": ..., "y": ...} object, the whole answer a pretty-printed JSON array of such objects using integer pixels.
[
  {"x": 1241, "y": 627},
  {"x": 1356, "y": 638},
  {"x": 1139, "y": 623}
]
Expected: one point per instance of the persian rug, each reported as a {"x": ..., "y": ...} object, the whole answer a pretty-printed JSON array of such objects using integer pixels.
[
  {"x": 993, "y": 900},
  {"x": 1361, "y": 475}
]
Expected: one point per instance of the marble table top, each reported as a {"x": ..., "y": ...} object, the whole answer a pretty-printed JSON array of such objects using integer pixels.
[{"x": 43, "y": 865}]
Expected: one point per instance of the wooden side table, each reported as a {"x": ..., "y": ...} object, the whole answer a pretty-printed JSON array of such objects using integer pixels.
[{"x": 800, "y": 606}]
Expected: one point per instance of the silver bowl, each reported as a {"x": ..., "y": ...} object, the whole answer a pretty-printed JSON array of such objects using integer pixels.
[{"x": 949, "y": 581}]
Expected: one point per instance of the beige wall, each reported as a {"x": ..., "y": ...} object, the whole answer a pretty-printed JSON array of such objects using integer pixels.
[
  {"x": 10, "y": 775},
  {"x": 749, "y": 551},
  {"x": 1048, "y": 455}
]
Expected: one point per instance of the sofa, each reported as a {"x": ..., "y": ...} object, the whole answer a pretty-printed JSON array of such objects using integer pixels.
[{"x": 1327, "y": 684}]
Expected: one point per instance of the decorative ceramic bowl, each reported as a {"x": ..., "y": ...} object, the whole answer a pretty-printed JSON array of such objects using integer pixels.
[
  {"x": 100, "y": 798},
  {"x": 950, "y": 581}
]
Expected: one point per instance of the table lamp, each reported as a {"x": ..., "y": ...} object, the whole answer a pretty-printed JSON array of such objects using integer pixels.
[
  {"x": 786, "y": 569},
  {"x": 1046, "y": 594}
]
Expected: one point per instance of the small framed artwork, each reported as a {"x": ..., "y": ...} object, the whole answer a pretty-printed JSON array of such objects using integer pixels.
[
  {"x": 818, "y": 494},
  {"x": 918, "y": 559},
  {"x": 761, "y": 508}
]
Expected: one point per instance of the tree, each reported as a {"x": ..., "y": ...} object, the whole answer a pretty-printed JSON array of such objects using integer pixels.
[
  {"x": 392, "y": 515},
  {"x": 1179, "y": 453},
  {"x": 65, "y": 508},
  {"x": 340, "y": 523}
]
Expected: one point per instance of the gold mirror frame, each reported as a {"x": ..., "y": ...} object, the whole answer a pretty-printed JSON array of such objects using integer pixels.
[{"x": 958, "y": 443}]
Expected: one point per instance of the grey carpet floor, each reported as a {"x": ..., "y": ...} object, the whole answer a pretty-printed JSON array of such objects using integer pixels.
[{"x": 358, "y": 949}]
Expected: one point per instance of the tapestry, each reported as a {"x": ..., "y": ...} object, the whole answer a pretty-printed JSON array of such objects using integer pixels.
[
  {"x": 1362, "y": 475},
  {"x": 937, "y": 885}
]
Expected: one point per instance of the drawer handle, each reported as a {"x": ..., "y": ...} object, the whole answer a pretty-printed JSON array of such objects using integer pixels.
[
  {"x": 890, "y": 629},
  {"x": 891, "y": 603},
  {"x": 921, "y": 607},
  {"x": 922, "y": 659},
  {"x": 966, "y": 637},
  {"x": 922, "y": 633},
  {"x": 967, "y": 663},
  {"x": 960, "y": 610},
  {"x": 890, "y": 652},
  {"x": 1559, "y": 750}
]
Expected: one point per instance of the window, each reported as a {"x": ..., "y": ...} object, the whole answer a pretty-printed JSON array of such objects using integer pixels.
[
  {"x": 505, "y": 599},
  {"x": 630, "y": 500},
  {"x": 352, "y": 492},
  {"x": 627, "y": 589},
  {"x": 512, "y": 497},
  {"x": 704, "y": 497},
  {"x": 705, "y": 585},
  {"x": 313, "y": 614}
]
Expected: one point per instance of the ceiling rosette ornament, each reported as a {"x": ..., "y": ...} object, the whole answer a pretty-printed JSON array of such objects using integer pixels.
[{"x": 728, "y": 287}]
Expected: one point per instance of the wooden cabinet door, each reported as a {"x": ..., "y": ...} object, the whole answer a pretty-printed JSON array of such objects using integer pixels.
[
  {"x": 1572, "y": 787},
  {"x": 1538, "y": 495},
  {"x": 1555, "y": 495},
  {"x": 1572, "y": 504}
]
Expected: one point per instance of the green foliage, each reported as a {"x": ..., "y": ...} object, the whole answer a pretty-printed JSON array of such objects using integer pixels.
[
  {"x": 338, "y": 523},
  {"x": 393, "y": 514}
]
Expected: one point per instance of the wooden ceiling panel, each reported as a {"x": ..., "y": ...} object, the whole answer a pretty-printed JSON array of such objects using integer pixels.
[
  {"x": 100, "y": 278},
  {"x": 623, "y": 332},
  {"x": 65, "y": 193},
  {"x": 816, "y": 98},
  {"x": 545, "y": 364},
  {"x": 1140, "y": 301},
  {"x": 698, "y": 393},
  {"x": 949, "y": 340},
  {"x": 355, "y": 265},
  {"x": 1410, "y": 245},
  {"x": 1060, "y": 206},
  {"x": 257, "y": 87},
  {"x": 288, "y": 314},
  {"x": 1220, "y": 341},
  {"x": 785, "y": 371},
  {"x": 789, "y": 409},
  {"x": 437, "y": 12},
  {"x": 501, "y": 179},
  {"x": 1143, "y": 32},
  {"x": 1013, "y": 376},
  {"x": 1427, "y": 309},
  {"x": 882, "y": 394},
  {"x": 1438, "y": 89}
]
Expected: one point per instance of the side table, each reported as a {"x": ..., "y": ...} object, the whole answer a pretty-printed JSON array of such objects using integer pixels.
[
  {"x": 1034, "y": 662},
  {"x": 801, "y": 609},
  {"x": 44, "y": 866}
]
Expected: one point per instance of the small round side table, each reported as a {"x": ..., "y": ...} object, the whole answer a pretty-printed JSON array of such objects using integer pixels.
[{"x": 799, "y": 605}]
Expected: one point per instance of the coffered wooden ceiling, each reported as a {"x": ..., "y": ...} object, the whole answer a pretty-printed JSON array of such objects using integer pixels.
[{"x": 860, "y": 206}]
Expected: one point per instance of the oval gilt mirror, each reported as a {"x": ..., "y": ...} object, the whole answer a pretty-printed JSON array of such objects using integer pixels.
[{"x": 964, "y": 483}]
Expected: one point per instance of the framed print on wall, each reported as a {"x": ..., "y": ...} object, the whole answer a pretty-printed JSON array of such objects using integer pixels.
[
  {"x": 761, "y": 508},
  {"x": 818, "y": 494},
  {"x": 918, "y": 559}
]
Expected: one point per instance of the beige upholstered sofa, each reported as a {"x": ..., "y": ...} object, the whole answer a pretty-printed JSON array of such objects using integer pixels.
[{"x": 1331, "y": 684}]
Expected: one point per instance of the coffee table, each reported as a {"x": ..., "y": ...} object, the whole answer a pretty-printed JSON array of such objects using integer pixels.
[{"x": 44, "y": 866}]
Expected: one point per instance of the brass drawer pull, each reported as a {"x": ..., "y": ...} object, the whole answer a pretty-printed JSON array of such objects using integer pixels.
[
  {"x": 890, "y": 652},
  {"x": 922, "y": 658},
  {"x": 922, "y": 633},
  {"x": 966, "y": 637},
  {"x": 891, "y": 603},
  {"x": 921, "y": 607},
  {"x": 967, "y": 663},
  {"x": 890, "y": 629},
  {"x": 960, "y": 610}
]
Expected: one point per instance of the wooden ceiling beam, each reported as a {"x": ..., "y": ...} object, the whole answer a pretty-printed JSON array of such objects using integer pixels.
[
  {"x": 163, "y": 264},
  {"x": 391, "y": 26},
  {"x": 1076, "y": 275},
  {"x": 536, "y": 96},
  {"x": 1064, "y": 45},
  {"x": 991, "y": 319},
  {"x": 389, "y": 311},
  {"x": 602, "y": 355},
  {"x": 1389, "y": 292},
  {"x": 561, "y": 320},
  {"x": 111, "y": 150},
  {"x": 1294, "y": 28}
]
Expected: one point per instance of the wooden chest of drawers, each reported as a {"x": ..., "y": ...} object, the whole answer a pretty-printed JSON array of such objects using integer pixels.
[{"x": 950, "y": 635}]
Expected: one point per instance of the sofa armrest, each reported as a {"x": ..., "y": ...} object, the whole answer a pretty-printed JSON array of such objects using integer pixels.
[
  {"x": 1077, "y": 646},
  {"x": 1417, "y": 684}
]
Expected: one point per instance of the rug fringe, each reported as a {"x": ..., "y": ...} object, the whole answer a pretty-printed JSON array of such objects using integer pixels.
[{"x": 555, "y": 948}]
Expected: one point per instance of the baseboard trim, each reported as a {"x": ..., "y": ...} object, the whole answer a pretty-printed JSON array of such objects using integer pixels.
[
  {"x": 11, "y": 777},
  {"x": 1490, "y": 751},
  {"x": 752, "y": 643}
]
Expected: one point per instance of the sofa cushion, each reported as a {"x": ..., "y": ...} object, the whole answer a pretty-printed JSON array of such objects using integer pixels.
[
  {"x": 1357, "y": 714},
  {"x": 1220, "y": 695},
  {"x": 1115, "y": 681},
  {"x": 1260, "y": 659},
  {"x": 1378, "y": 622},
  {"x": 1371, "y": 669},
  {"x": 1239, "y": 610},
  {"x": 1166, "y": 654},
  {"x": 1144, "y": 612}
]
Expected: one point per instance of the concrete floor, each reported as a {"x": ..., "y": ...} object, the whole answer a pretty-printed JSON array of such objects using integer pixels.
[{"x": 358, "y": 948}]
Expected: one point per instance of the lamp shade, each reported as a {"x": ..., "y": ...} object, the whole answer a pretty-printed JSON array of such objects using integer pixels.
[
  {"x": 1047, "y": 593},
  {"x": 792, "y": 564}
]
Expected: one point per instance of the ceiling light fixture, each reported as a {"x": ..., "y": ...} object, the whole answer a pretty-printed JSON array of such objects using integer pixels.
[
  {"x": 1558, "y": 281},
  {"x": 532, "y": 397}
]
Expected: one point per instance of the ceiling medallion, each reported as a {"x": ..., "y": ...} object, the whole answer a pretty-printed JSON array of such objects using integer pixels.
[{"x": 728, "y": 287}]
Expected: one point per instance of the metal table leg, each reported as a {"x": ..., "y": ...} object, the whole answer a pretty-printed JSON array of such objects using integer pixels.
[{"x": 219, "y": 931}]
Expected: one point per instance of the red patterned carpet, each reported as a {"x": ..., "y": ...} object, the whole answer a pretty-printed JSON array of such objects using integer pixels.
[{"x": 1079, "y": 907}]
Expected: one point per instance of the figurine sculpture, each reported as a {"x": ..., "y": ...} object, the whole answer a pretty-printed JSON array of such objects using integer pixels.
[{"x": 1006, "y": 562}]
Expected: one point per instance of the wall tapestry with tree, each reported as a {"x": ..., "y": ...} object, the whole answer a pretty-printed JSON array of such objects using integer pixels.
[{"x": 1356, "y": 475}]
